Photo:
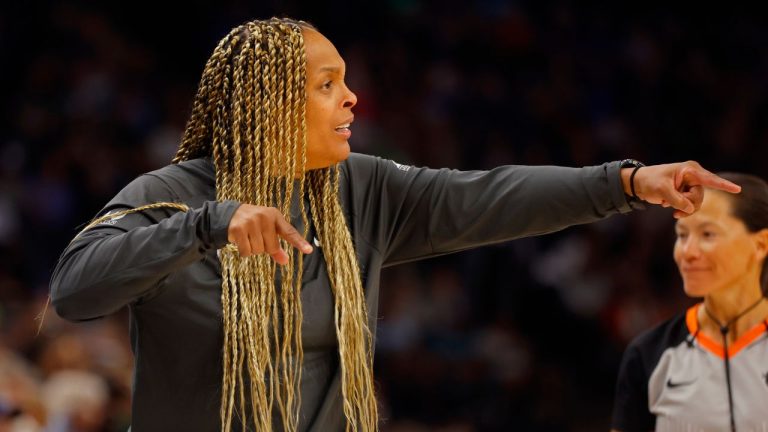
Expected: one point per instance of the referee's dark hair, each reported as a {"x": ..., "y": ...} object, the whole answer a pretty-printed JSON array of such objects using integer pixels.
[{"x": 751, "y": 207}]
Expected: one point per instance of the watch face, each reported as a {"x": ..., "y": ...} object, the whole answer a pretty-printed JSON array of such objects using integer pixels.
[{"x": 631, "y": 162}]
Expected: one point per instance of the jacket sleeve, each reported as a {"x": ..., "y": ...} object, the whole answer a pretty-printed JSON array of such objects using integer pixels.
[
  {"x": 118, "y": 261},
  {"x": 409, "y": 213}
]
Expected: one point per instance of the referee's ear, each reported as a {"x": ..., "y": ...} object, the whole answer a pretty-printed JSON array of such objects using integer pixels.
[{"x": 761, "y": 238}]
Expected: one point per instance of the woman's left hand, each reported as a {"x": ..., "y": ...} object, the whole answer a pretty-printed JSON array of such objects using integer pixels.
[{"x": 678, "y": 185}]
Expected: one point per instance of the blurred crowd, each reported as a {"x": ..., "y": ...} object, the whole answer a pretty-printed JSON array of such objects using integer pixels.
[{"x": 523, "y": 336}]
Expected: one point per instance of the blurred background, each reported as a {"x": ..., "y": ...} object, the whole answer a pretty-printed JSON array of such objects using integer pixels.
[{"x": 523, "y": 336}]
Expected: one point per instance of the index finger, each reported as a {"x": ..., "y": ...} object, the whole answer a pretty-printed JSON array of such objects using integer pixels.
[
  {"x": 700, "y": 176},
  {"x": 289, "y": 233}
]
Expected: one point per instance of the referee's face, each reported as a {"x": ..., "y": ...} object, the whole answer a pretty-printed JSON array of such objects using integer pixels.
[
  {"x": 329, "y": 103},
  {"x": 716, "y": 254}
]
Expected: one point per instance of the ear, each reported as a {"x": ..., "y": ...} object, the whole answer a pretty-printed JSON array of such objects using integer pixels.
[{"x": 761, "y": 243}]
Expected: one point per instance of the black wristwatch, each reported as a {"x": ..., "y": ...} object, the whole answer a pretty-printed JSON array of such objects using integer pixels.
[
  {"x": 633, "y": 200},
  {"x": 626, "y": 163}
]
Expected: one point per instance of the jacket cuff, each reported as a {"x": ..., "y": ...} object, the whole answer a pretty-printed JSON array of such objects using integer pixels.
[
  {"x": 219, "y": 215},
  {"x": 621, "y": 201}
]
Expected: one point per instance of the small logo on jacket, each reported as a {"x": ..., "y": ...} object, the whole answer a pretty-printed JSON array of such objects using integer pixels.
[
  {"x": 111, "y": 221},
  {"x": 671, "y": 384},
  {"x": 401, "y": 167}
]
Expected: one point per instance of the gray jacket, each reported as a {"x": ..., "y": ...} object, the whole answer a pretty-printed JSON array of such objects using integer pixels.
[{"x": 162, "y": 264}]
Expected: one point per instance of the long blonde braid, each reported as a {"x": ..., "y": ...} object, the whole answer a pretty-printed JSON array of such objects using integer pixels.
[{"x": 350, "y": 308}]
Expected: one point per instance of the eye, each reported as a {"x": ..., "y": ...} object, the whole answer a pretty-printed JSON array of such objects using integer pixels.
[
  {"x": 682, "y": 235},
  {"x": 708, "y": 234},
  {"x": 327, "y": 85}
]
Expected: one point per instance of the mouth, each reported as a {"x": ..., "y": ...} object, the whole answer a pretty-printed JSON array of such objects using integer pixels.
[
  {"x": 343, "y": 129},
  {"x": 693, "y": 270}
]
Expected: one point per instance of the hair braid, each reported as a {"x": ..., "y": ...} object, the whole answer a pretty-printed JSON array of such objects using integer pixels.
[
  {"x": 350, "y": 308},
  {"x": 198, "y": 129},
  {"x": 249, "y": 116}
]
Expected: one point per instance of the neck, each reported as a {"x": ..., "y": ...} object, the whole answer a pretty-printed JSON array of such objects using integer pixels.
[
  {"x": 739, "y": 309},
  {"x": 725, "y": 309}
]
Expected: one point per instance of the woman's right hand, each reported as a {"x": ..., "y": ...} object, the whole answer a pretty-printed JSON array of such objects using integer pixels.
[{"x": 255, "y": 230}]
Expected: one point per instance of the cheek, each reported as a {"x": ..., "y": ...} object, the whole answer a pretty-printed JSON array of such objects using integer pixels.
[
  {"x": 314, "y": 129},
  {"x": 735, "y": 259},
  {"x": 311, "y": 119},
  {"x": 314, "y": 112},
  {"x": 732, "y": 251}
]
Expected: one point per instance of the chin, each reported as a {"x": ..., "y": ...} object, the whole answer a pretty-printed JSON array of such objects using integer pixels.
[
  {"x": 343, "y": 153},
  {"x": 693, "y": 289}
]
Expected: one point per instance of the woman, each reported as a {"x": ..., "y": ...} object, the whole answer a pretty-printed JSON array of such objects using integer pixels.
[
  {"x": 226, "y": 339},
  {"x": 707, "y": 369}
]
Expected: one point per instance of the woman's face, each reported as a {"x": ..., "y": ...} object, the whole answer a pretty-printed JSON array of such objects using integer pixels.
[
  {"x": 714, "y": 251},
  {"x": 329, "y": 103}
]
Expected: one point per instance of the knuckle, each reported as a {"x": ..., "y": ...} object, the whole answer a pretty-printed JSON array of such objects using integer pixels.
[
  {"x": 236, "y": 228},
  {"x": 247, "y": 211},
  {"x": 254, "y": 222},
  {"x": 260, "y": 216}
]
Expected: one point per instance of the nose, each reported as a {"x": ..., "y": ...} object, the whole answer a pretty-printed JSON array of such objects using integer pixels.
[
  {"x": 350, "y": 98},
  {"x": 691, "y": 247}
]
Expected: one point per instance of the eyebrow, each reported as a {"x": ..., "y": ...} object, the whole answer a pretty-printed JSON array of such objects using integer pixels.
[
  {"x": 332, "y": 69},
  {"x": 701, "y": 225}
]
